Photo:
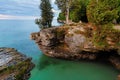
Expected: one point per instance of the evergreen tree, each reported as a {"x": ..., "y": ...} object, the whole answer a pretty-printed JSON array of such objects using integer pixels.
[
  {"x": 78, "y": 11},
  {"x": 102, "y": 12},
  {"x": 74, "y": 10},
  {"x": 64, "y": 6},
  {"x": 46, "y": 15}
]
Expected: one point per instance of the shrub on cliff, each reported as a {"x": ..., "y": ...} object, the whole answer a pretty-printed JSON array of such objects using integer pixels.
[
  {"x": 106, "y": 36},
  {"x": 61, "y": 17},
  {"x": 78, "y": 11},
  {"x": 102, "y": 12}
]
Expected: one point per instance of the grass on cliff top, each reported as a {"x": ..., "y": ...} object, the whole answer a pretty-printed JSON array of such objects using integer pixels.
[{"x": 106, "y": 36}]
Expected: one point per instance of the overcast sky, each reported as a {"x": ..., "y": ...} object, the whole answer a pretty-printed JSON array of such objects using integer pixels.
[{"x": 10, "y": 8}]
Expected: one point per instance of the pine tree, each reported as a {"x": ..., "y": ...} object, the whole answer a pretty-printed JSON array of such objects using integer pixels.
[
  {"x": 64, "y": 5},
  {"x": 46, "y": 15},
  {"x": 102, "y": 12},
  {"x": 74, "y": 10}
]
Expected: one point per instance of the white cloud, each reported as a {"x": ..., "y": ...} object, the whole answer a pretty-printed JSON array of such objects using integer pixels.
[
  {"x": 53, "y": 1},
  {"x": 56, "y": 11},
  {"x": 17, "y": 17}
]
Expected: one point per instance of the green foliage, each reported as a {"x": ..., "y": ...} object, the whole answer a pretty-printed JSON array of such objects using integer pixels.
[
  {"x": 61, "y": 5},
  {"x": 46, "y": 15},
  {"x": 22, "y": 69},
  {"x": 64, "y": 6},
  {"x": 78, "y": 11},
  {"x": 102, "y": 11},
  {"x": 95, "y": 11},
  {"x": 61, "y": 17},
  {"x": 99, "y": 36},
  {"x": 106, "y": 35}
]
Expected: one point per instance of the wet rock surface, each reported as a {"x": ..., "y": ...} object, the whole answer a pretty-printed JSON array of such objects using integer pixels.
[{"x": 14, "y": 65}]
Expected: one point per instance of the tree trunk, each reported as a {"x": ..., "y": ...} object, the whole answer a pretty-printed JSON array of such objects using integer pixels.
[{"x": 67, "y": 12}]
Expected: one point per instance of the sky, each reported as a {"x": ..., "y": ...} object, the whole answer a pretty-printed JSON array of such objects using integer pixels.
[{"x": 22, "y": 9}]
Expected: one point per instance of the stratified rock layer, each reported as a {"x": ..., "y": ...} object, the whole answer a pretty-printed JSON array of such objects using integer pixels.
[{"x": 14, "y": 65}]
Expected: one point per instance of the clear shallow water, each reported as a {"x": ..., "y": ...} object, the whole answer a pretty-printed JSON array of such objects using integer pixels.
[
  {"x": 55, "y": 69},
  {"x": 16, "y": 34}
]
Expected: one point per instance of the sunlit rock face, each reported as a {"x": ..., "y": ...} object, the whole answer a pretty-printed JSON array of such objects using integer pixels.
[
  {"x": 14, "y": 65},
  {"x": 5, "y": 58},
  {"x": 75, "y": 42}
]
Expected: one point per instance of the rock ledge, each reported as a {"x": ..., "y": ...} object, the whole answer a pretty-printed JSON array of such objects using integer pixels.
[{"x": 14, "y": 65}]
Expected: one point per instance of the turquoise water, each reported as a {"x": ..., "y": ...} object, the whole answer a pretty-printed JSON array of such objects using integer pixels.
[{"x": 16, "y": 34}]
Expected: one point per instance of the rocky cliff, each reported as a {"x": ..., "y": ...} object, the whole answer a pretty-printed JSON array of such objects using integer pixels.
[
  {"x": 75, "y": 42},
  {"x": 14, "y": 65},
  {"x": 70, "y": 42}
]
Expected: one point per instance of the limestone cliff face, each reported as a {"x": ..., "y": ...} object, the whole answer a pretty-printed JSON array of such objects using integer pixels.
[
  {"x": 75, "y": 42},
  {"x": 14, "y": 65},
  {"x": 69, "y": 42},
  {"x": 63, "y": 42}
]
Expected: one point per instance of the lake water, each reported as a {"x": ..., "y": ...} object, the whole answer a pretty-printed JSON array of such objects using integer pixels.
[{"x": 16, "y": 34}]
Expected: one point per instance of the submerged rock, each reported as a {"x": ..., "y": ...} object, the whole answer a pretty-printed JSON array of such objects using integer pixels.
[{"x": 14, "y": 65}]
